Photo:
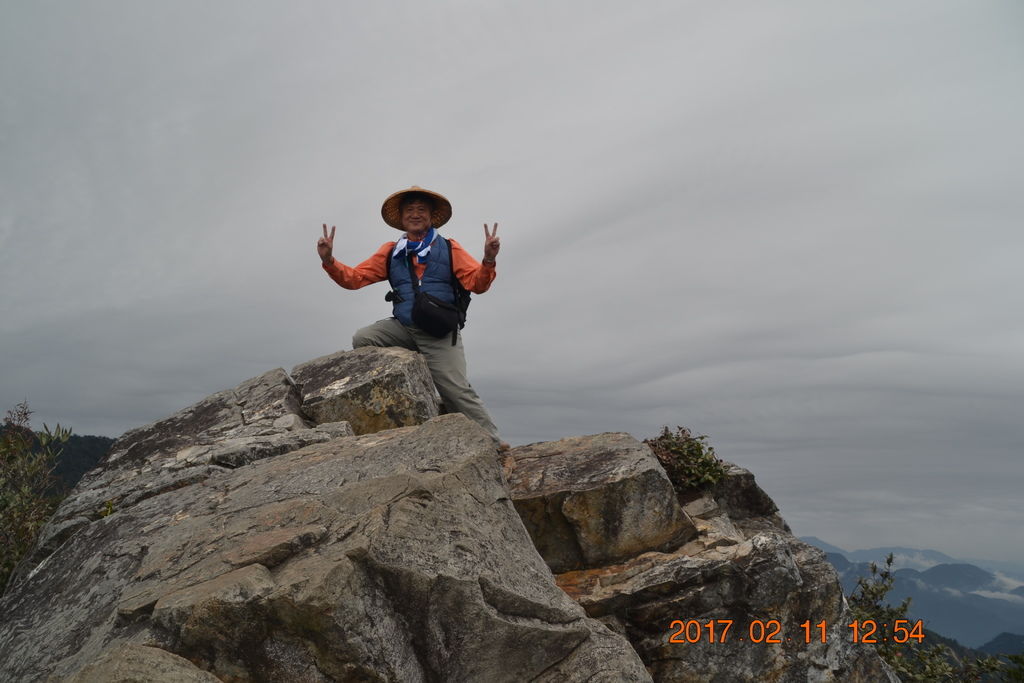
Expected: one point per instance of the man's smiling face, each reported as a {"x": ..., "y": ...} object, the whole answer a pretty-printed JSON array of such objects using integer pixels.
[{"x": 416, "y": 216}]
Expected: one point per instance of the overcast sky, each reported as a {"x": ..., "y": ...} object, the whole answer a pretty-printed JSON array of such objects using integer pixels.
[{"x": 792, "y": 226}]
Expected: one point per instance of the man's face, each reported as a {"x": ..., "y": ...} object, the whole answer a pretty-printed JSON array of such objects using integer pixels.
[{"x": 416, "y": 216}]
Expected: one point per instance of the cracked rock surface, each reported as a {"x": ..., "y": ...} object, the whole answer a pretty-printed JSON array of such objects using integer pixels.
[
  {"x": 589, "y": 501},
  {"x": 371, "y": 388},
  {"x": 393, "y": 556},
  {"x": 259, "y": 418},
  {"x": 743, "y": 568},
  {"x": 329, "y": 526}
]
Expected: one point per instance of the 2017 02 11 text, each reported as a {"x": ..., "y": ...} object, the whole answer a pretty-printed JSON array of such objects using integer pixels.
[{"x": 771, "y": 631}]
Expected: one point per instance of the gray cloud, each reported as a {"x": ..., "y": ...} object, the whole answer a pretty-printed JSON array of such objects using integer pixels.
[{"x": 794, "y": 229}]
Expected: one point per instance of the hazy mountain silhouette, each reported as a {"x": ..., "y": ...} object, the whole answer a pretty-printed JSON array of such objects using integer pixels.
[{"x": 958, "y": 600}]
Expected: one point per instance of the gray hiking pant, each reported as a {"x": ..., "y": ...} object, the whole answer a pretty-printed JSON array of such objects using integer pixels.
[{"x": 447, "y": 365}]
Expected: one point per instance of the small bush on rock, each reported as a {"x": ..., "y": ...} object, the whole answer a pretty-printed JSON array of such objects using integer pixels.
[{"x": 689, "y": 460}]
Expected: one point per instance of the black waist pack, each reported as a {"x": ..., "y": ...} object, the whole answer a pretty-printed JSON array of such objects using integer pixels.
[{"x": 435, "y": 317}]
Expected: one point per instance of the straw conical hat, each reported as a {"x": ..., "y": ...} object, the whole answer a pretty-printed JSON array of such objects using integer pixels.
[{"x": 391, "y": 210}]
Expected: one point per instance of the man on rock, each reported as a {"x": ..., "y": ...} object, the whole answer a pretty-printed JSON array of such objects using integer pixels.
[{"x": 422, "y": 261}]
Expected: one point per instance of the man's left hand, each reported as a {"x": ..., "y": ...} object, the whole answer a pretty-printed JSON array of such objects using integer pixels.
[{"x": 492, "y": 243}]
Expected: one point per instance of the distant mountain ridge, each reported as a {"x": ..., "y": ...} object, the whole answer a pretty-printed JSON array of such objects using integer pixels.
[
  {"x": 914, "y": 558},
  {"x": 76, "y": 457},
  {"x": 1004, "y": 643},
  {"x": 976, "y": 607},
  {"x": 79, "y": 455},
  {"x": 917, "y": 558}
]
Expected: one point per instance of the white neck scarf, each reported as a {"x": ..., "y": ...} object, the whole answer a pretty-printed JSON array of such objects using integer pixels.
[{"x": 421, "y": 249}]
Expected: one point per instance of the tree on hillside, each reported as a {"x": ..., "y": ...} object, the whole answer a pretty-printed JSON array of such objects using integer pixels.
[
  {"x": 26, "y": 475},
  {"x": 913, "y": 661},
  {"x": 1014, "y": 672}
]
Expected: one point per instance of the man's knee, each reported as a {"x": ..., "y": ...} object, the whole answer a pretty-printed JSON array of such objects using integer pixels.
[
  {"x": 388, "y": 332},
  {"x": 363, "y": 337}
]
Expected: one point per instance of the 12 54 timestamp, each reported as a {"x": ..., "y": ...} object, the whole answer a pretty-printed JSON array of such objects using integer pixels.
[{"x": 771, "y": 631}]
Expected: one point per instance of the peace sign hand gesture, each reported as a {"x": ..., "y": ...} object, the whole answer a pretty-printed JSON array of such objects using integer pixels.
[
  {"x": 492, "y": 243},
  {"x": 325, "y": 245}
]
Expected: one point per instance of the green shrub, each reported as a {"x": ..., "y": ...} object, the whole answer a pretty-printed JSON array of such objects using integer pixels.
[
  {"x": 26, "y": 482},
  {"x": 1014, "y": 671},
  {"x": 689, "y": 461}
]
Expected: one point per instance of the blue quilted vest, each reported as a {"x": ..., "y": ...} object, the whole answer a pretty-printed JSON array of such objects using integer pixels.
[{"x": 437, "y": 279}]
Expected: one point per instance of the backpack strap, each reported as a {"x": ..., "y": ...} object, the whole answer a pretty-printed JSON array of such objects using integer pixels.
[
  {"x": 456, "y": 286},
  {"x": 462, "y": 295}
]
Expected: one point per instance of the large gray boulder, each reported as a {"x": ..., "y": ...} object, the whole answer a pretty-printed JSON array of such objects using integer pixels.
[
  {"x": 254, "y": 536},
  {"x": 589, "y": 501},
  {"x": 259, "y": 418},
  {"x": 773, "y": 592},
  {"x": 746, "y": 570},
  {"x": 274, "y": 413},
  {"x": 395, "y": 556},
  {"x": 370, "y": 388}
]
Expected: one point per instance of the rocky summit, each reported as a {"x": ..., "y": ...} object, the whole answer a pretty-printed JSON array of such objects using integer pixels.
[{"x": 329, "y": 524}]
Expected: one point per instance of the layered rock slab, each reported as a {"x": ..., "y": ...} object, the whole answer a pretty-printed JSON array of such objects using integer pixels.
[
  {"x": 395, "y": 556},
  {"x": 746, "y": 504},
  {"x": 744, "y": 568},
  {"x": 378, "y": 388},
  {"x": 589, "y": 501},
  {"x": 370, "y": 388},
  {"x": 259, "y": 418}
]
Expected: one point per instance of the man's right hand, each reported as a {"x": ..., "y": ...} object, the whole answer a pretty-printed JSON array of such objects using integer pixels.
[{"x": 325, "y": 245}]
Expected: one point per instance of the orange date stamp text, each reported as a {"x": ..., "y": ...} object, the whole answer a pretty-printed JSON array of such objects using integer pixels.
[{"x": 772, "y": 631}]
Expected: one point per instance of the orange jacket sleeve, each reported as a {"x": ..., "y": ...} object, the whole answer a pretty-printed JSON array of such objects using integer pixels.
[
  {"x": 373, "y": 269},
  {"x": 474, "y": 276}
]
